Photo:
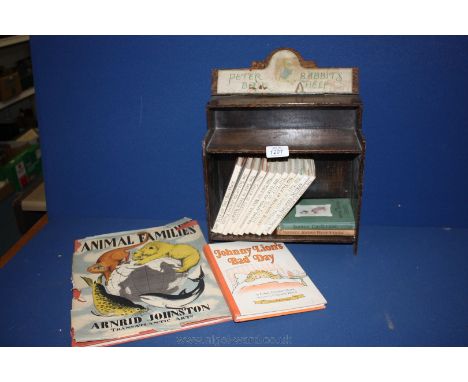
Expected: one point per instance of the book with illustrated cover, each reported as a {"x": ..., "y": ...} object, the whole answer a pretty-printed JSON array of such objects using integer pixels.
[
  {"x": 143, "y": 283},
  {"x": 319, "y": 214},
  {"x": 261, "y": 280}
]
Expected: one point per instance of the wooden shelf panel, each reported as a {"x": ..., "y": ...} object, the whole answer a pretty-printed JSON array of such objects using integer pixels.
[
  {"x": 36, "y": 200},
  {"x": 284, "y": 238},
  {"x": 23, "y": 95},
  {"x": 300, "y": 141},
  {"x": 254, "y": 101},
  {"x": 13, "y": 40}
]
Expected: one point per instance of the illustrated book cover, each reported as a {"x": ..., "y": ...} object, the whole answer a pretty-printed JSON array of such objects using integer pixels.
[
  {"x": 261, "y": 280},
  {"x": 143, "y": 283},
  {"x": 310, "y": 216}
]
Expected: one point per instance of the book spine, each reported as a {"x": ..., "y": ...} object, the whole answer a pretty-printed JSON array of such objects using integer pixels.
[
  {"x": 258, "y": 199},
  {"x": 227, "y": 196},
  {"x": 264, "y": 204},
  {"x": 221, "y": 282},
  {"x": 316, "y": 232},
  {"x": 250, "y": 202},
  {"x": 229, "y": 214},
  {"x": 273, "y": 198},
  {"x": 301, "y": 187},
  {"x": 289, "y": 199},
  {"x": 278, "y": 204},
  {"x": 316, "y": 226},
  {"x": 240, "y": 205}
]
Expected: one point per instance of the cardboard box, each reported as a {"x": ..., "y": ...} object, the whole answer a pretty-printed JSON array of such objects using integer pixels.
[
  {"x": 5, "y": 189},
  {"x": 10, "y": 86},
  {"x": 23, "y": 168},
  {"x": 24, "y": 68}
]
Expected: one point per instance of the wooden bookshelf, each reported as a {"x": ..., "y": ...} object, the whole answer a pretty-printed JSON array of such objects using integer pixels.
[
  {"x": 20, "y": 97},
  {"x": 12, "y": 40},
  {"x": 325, "y": 127}
]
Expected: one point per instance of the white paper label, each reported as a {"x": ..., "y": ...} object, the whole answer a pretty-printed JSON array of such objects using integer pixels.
[
  {"x": 277, "y": 151},
  {"x": 20, "y": 170},
  {"x": 314, "y": 210}
]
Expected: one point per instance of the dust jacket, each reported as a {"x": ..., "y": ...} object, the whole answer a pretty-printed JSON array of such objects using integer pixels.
[
  {"x": 142, "y": 283},
  {"x": 261, "y": 280}
]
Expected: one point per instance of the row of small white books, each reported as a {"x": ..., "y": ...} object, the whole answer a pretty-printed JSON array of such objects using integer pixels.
[{"x": 260, "y": 193}]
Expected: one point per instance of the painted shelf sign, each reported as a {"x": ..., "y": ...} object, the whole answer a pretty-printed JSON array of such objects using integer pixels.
[{"x": 285, "y": 72}]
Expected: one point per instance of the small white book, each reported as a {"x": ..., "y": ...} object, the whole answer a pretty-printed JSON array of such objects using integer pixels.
[
  {"x": 261, "y": 280},
  {"x": 295, "y": 190},
  {"x": 270, "y": 181},
  {"x": 305, "y": 179},
  {"x": 258, "y": 198},
  {"x": 240, "y": 204},
  {"x": 283, "y": 195},
  {"x": 228, "y": 215},
  {"x": 273, "y": 195},
  {"x": 260, "y": 194},
  {"x": 249, "y": 203},
  {"x": 227, "y": 196}
]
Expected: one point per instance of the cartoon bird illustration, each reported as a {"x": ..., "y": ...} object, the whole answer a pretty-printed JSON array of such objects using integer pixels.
[{"x": 77, "y": 294}]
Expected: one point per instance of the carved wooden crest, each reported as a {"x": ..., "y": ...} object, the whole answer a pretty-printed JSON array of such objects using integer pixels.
[{"x": 285, "y": 72}]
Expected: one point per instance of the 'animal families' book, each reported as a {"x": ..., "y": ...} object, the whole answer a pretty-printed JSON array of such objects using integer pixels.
[
  {"x": 143, "y": 283},
  {"x": 319, "y": 214},
  {"x": 261, "y": 280}
]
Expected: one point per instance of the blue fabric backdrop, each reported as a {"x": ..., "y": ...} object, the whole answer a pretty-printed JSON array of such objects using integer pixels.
[{"x": 122, "y": 120}]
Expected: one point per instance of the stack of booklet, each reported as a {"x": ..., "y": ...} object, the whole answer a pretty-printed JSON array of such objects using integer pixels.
[{"x": 260, "y": 193}]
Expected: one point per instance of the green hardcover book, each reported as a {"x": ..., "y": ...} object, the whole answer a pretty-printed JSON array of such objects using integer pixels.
[{"x": 317, "y": 214}]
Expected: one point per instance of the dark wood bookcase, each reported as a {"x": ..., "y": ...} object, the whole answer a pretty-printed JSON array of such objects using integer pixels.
[{"x": 325, "y": 127}]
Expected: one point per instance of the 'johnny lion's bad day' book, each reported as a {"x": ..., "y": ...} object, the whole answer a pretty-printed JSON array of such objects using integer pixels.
[
  {"x": 261, "y": 280},
  {"x": 143, "y": 283}
]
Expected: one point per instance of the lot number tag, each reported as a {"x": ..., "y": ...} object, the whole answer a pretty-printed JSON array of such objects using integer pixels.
[{"x": 277, "y": 151}]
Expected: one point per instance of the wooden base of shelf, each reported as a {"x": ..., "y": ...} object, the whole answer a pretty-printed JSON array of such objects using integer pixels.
[{"x": 283, "y": 238}]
